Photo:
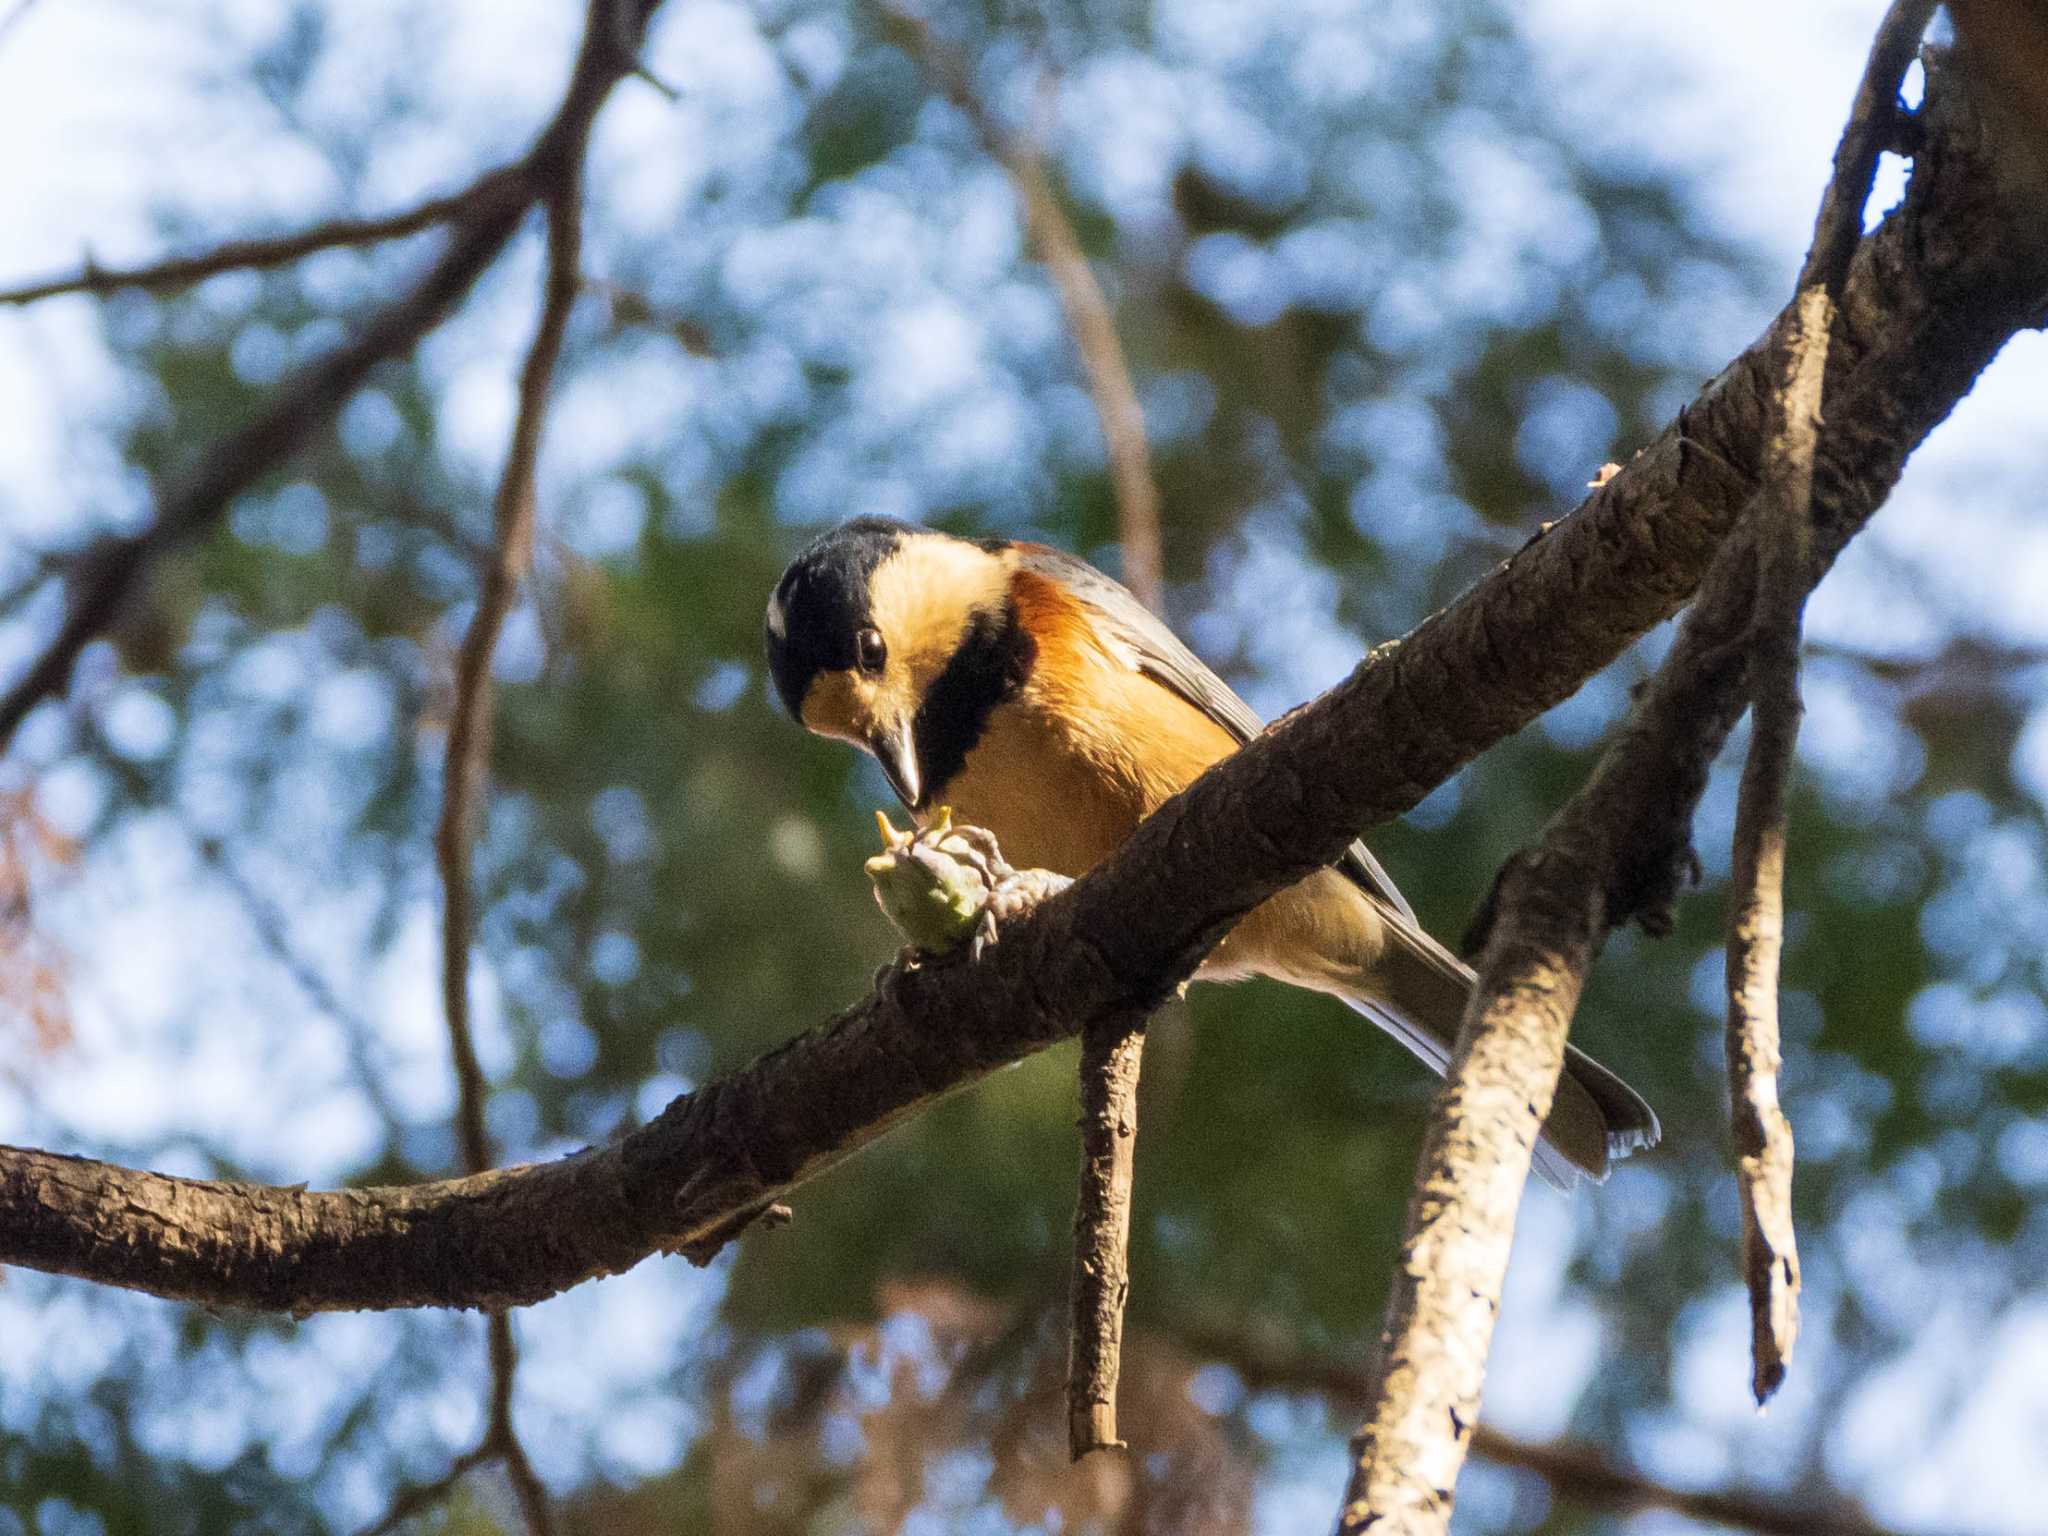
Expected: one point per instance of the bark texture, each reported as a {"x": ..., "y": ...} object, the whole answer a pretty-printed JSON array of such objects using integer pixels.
[
  {"x": 1618, "y": 852},
  {"x": 1110, "y": 1061},
  {"x": 1932, "y": 296}
]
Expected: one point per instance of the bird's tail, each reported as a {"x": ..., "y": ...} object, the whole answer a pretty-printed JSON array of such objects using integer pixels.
[{"x": 1419, "y": 994}]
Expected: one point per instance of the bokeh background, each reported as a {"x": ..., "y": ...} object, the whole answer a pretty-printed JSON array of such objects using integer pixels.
[{"x": 1394, "y": 278}]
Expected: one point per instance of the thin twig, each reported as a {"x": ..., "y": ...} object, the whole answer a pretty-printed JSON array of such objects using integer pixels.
[
  {"x": 1756, "y": 910},
  {"x": 258, "y": 253},
  {"x": 97, "y": 588},
  {"x": 504, "y": 1439},
  {"x": 1872, "y": 117},
  {"x": 469, "y": 729},
  {"x": 500, "y": 1443},
  {"x": 469, "y": 734},
  {"x": 421, "y": 1497},
  {"x": 1088, "y": 313},
  {"x": 1110, "y": 1059},
  {"x": 267, "y": 922},
  {"x": 15, "y": 17},
  {"x": 1756, "y": 913}
]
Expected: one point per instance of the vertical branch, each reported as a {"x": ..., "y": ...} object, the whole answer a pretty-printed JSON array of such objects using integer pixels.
[
  {"x": 469, "y": 735},
  {"x": 1756, "y": 914},
  {"x": 1109, "y": 376},
  {"x": 1089, "y": 316},
  {"x": 1110, "y": 1056},
  {"x": 469, "y": 730},
  {"x": 504, "y": 1439}
]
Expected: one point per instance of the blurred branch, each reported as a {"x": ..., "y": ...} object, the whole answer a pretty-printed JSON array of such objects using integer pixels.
[
  {"x": 263, "y": 252},
  {"x": 1088, "y": 313},
  {"x": 1619, "y": 851},
  {"x": 469, "y": 736},
  {"x": 307, "y": 400},
  {"x": 43, "y": 567},
  {"x": 500, "y": 1443},
  {"x": 421, "y": 1497},
  {"x": 1933, "y": 294},
  {"x": 469, "y": 731},
  {"x": 1964, "y": 662},
  {"x": 1577, "y": 1474},
  {"x": 630, "y": 307},
  {"x": 1756, "y": 911},
  {"x": 1110, "y": 1061},
  {"x": 504, "y": 1439},
  {"x": 15, "y": 17},
  {"x": 268, "y": 923}
]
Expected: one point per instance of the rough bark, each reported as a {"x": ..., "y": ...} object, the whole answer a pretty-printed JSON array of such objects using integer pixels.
[
  {"x": 1756, "y": 916},
  {"x": 1110, "y": 1061},
  {"x": 1619, "y": 851},
  {"x": 1933, "y": 295}
]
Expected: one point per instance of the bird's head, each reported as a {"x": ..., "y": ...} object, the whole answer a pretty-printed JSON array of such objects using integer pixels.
[{"x": 865, "y": 624}]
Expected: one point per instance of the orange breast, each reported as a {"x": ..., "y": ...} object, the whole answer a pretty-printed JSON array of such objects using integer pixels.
[{"x": 1065, "y": 771}]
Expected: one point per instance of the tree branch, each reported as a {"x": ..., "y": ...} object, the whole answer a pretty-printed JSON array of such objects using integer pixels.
[
  {"x": 421, "y": 1497},
  {"x": 263, "y": 251},
  {"x": 1089, "y": 316},
  {"x": 469, "y": 731},
  {"x": 1933, "y": 295},
  {"x": 1102, "y": 1235},
  {"x": 503, "y": 1440},
  {"x": 1756, "y": 910},
  {"x": 1577, "y": 1474},
  {"x": 1618, "y": 851},
  {"x": 468, "y": 760},
  {"x": 308, "y": 399}
]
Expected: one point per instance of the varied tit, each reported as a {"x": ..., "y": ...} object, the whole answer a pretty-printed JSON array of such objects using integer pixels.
[{"x": 1040, "y": 700}]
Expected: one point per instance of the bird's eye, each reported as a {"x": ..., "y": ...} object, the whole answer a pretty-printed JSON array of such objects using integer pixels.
[{"x": 869, "y": 650}]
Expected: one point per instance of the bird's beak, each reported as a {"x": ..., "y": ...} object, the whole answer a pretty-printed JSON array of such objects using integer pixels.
[{"x": 896, "y": 750}]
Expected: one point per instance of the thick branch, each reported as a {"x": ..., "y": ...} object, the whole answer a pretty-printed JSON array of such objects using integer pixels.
[
  {"x": 1618, "y": 851},
  {"x": 1933, "y": 295},
  {"x": 307, "y": 400},
  {"x": 1110, "y": 1061}
]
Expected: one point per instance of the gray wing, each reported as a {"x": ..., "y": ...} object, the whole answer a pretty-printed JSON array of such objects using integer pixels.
[{"x": 1158, "y": 653}]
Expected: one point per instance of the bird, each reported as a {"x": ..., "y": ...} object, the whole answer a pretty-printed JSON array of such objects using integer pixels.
[{"x": 1037, "y": 698}]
